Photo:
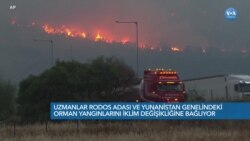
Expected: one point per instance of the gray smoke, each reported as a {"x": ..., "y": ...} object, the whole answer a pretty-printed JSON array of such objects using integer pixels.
[{"x": 187, "y": 23}]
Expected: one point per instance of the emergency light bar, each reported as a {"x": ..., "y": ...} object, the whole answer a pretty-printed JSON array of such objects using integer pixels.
[{"x": 160, "y": 71}]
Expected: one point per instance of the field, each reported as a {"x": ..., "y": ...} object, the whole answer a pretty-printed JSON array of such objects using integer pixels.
[{"x": 129, "y": 130}]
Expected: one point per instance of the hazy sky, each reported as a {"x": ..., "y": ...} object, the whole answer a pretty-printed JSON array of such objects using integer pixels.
[
  {"x": 181, "y": 22},
  {"x": 193, "y": 23}
]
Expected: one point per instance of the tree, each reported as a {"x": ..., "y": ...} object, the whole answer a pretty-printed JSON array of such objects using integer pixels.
[
  {"x": 63, "y": 82},
  {"x": 109, "y": 77},
  {"x": 7, "y": 100},
  {"x": 72, "y": 81}
]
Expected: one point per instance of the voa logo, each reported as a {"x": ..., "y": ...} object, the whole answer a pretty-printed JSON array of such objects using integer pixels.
[{"x": 231, "y": 13}]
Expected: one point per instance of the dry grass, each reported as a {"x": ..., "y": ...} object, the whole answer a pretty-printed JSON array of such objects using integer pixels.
[{"x": 130, "y": 130}]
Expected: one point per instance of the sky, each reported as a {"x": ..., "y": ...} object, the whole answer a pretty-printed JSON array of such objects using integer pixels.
[
  {"x": 180, "y": 22},
  {"x": 184, "y": 24}
]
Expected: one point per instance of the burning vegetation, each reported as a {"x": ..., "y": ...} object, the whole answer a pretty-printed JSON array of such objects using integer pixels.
[{"x": 108, "y": 37}]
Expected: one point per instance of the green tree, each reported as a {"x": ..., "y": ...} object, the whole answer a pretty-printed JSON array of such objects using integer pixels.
[
  {"x": 63, "y": 82},
  {"x": 99, "y": 80},
  {"x": 7, "y": 100},
  {"x": 110, "y": 76}
]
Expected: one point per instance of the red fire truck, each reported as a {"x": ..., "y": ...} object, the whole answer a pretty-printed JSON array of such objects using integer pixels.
[{"x": 161, "y": 85}]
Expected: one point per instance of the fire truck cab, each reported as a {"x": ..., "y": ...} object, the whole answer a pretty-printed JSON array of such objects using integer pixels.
[{"x": 161, "y": 85}]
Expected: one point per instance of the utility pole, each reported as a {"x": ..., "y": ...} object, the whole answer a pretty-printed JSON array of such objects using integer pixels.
[{"x": 137, "y": 43}]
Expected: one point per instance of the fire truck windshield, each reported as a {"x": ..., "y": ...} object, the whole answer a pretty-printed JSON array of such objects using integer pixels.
[{"x": 169, "y": 87}]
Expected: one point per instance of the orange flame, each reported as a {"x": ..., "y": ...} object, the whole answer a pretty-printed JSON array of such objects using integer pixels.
[
  {"x": 103, "y": 36},
  {"x": 48, "y": 29},
  {"x": 83, "y": 35},
  {"x": 73, "y": 33},
  {"x": 98, "y": 37},
  {"x": 63, "y": 30},
  {"x": 176, "y": 49},
  {"x": 125, "y": 41}
]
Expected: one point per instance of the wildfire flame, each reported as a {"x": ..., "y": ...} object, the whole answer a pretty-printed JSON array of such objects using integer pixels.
[
  {"x": 103, "y": 36},
  {"x": 125, "y": 41},
  {"x": 98, "y": 37},
  {"x": 176, "y": 49},
  {"x": 63, "y": 30},
  {"x": 71, "y": 32}
]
